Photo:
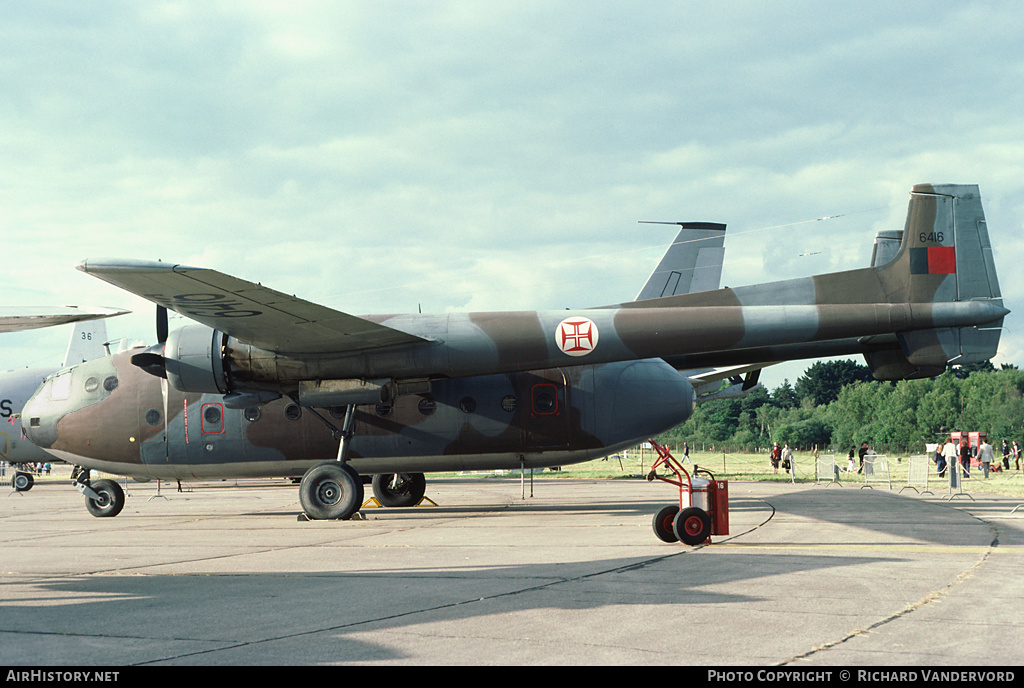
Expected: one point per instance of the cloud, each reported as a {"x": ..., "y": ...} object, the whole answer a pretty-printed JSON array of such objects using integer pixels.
[{"x": 463, "y": 155}]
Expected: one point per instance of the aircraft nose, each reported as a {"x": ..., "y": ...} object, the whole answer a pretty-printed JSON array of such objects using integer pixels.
[
  {"x": 39, "y": 417},
  {"x": 650, "y": 398}
]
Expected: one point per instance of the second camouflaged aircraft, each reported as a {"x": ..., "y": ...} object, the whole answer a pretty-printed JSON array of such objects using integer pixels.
[{"x": 410, "y": 393}]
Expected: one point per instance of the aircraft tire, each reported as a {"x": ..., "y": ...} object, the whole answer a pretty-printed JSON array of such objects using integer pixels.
[
  {"x": 22, "y": 482},
  {"x": 692, "y": 525},
  {"x": 331, "y": 491},
  {"x": 663, "y": 524},
  {"x": 111, "y": 499},
  {"x": 410, "y": 490}
]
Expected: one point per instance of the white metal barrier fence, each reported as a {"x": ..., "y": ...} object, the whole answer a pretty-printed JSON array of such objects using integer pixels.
[
  {"x": 826, "y": 470},
  {"x": 918, "y": 468},
  {"x": 876, "y": 470}
]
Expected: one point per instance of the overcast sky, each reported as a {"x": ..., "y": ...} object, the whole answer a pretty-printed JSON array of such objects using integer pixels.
[{"x": 387, "y": 156}]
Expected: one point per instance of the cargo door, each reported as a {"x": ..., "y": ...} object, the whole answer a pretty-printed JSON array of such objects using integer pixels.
[{"x": 547, "y": 423}]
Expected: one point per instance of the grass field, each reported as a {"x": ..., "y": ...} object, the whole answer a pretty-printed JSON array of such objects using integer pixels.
[
  {"x": 750, "y": 467},
  {"x": 756, "y": 467}
]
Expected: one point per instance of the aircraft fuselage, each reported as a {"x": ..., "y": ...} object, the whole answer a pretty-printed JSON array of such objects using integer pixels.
[{"x": 112, "y": 416}]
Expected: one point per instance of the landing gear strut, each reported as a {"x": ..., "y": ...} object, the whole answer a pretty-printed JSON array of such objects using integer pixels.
[{"x": 333, "y": 490}]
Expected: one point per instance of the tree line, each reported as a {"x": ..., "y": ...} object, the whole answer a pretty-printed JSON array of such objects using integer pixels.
[{"x": 838, "y": 404}]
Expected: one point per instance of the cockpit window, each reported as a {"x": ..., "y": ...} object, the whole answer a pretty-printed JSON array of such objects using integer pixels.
[
  {"x": 92, "y": 384},
  {"x": 60, "y": 386}
]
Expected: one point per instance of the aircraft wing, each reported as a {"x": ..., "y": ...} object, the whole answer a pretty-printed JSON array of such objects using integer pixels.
[
  {"x": 692, "y": 263},
  {"x": 18, "y": 318},
  {"x": 247, "y": 311}
]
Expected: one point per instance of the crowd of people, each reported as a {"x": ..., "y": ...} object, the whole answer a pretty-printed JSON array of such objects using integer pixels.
[
  {"x": 34, "y": 468},
  {"x": 949, "y": 453}
]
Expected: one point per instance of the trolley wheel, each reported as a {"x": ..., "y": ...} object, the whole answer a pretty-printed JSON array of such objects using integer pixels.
[
  {"x": 692, "y": 525},
  {"x": 663, "y": 524}
]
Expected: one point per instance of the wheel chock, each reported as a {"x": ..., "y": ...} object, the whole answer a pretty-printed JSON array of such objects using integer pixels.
[
  {"x": 372, "y": 503},
  {"x": 357, "y": 516}
]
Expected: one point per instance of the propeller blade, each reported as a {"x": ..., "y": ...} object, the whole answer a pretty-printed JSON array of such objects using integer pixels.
[
  {"x": 152, "y": 361},
  {"x": 161, "y": 324}
]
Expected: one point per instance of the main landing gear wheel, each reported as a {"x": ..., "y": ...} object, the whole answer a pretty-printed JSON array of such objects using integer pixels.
[
  {"x": 110, "y": 502},
  {"x": 399, "y": 489},
  {"x": 22, "y": 482},
  {"x": 692, "y": 525},
  {"x": 663, "y": 524},
  {"x": 331, "y": 491}
]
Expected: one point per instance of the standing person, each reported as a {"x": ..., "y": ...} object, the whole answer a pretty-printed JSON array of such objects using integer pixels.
[
  {"x": 776, "y": 455},
  {"x": 985, "y": 454},
  {"x": 850, "y": 464},
  {"x": 1016, "y": 455},
  {"x": 787, "y": 458},
  {"x": 965, "y": 457},
  {"x": 1006, "y": 455},
  {"x": 861, "y": 453},
  {"x": 948, "y": 458},
  {"x": 686, "y": 453}
]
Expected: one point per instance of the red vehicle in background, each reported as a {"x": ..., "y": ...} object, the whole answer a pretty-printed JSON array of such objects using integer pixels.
[{"x": 974, "y": 439}]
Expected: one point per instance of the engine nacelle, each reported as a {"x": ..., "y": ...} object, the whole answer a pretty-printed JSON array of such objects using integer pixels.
[
  {"x": 194, "y": 360},
  {"x": 893, "y": 365}
]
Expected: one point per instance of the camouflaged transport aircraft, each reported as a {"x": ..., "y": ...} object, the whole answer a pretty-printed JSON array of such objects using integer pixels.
[
  {"x": 269, "y": 384},
  {"x": 693, "y": 262}
]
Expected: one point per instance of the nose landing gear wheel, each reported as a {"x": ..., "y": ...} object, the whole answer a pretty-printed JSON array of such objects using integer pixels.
[
  {"x": 692, "y": 525},
  {"x": 22, "y": 482},
  {"x": 110, "y": 501},
  {"x": 331, "y": 491}
]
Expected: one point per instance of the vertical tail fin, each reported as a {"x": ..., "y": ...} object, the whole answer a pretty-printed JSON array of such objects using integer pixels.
[
  {"x": 692, "y": 263},
  {"x": 86, "y": 342},
  {"x": 946, "y": 256}
]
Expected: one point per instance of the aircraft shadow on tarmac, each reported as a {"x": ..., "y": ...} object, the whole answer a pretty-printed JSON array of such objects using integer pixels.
[{"x": 308, "y": 617}]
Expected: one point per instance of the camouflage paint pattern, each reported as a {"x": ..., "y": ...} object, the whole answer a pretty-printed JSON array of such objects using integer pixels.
[{"x": 114, "y": 419}]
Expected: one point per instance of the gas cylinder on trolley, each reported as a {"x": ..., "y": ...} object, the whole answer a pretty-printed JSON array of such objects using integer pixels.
[{"x": 703, "y": 508}]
